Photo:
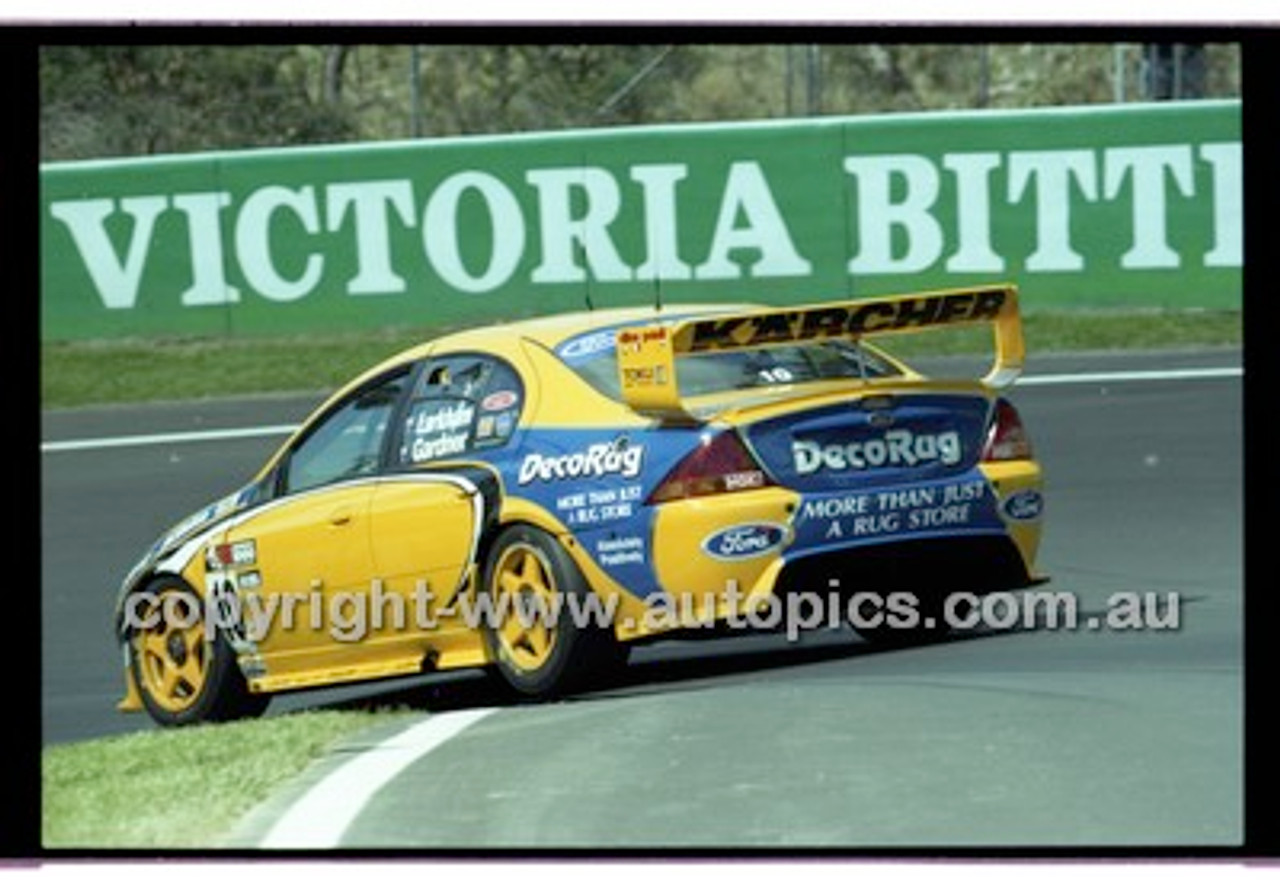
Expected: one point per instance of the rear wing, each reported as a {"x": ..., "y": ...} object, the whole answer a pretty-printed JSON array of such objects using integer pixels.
[{"x": 647, "y": 353}]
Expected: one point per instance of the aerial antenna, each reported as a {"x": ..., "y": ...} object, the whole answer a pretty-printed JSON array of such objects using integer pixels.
[
  {"x": 586, "y": 277},
  {"x": 657, "y": 292}
]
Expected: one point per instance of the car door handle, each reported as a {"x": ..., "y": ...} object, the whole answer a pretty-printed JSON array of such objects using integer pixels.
[{"x": 340, "y": 518}]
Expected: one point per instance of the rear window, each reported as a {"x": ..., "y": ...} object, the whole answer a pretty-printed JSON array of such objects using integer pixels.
[{"x": 596, "y": 361}]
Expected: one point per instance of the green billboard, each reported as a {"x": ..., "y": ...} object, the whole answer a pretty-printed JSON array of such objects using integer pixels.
[{"x": 1082, "y": 206}]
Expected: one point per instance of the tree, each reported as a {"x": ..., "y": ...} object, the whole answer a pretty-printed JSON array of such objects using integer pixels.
[
  {"x": 109, "y": 101},
  {"x": 104, "y": 101}
]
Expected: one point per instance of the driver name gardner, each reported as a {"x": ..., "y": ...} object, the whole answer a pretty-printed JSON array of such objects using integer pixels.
[{"x": 349, "y": 616}]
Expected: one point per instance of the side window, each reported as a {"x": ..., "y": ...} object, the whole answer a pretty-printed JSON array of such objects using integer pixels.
[
  {"x": 463, "y": 404},
  {"x": 348, "y": 442}
]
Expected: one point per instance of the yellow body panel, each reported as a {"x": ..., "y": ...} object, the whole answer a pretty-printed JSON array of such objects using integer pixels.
[
  {"x": 1006, "y": 478},
  {"x": 359, "y": 576},
  {"x": 682, "y": 527},
  {"x": 310, "y": 550}
]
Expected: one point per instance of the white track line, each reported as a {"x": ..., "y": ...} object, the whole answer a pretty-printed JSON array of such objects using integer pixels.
[
  {"x": 1129, "y": 376},
  {"x": 265, "y": 431},
  {"x": 248, "y": 432},
  {"x": 319, "y": 818}
]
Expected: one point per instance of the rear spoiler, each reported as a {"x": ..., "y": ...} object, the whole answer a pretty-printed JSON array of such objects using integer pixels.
[{"x": 647, "y": 353}]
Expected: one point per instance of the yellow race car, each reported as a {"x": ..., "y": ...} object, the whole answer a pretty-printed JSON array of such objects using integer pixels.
[{"x": 536, "y": 497}]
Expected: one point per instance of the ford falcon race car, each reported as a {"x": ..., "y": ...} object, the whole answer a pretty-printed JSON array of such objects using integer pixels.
[{"x": 536, "y": 497}]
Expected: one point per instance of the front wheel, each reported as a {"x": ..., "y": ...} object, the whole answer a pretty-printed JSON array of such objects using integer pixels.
[
  {"x": 185, "y": 674},
  {"x": 544, "y": 629}
]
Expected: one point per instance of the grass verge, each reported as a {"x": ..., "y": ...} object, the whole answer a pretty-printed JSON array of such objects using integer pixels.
[
  {"x": 179, "y": 788},
  {"x": 104, "y": 372},
  {"x": 113, "y": 371}
]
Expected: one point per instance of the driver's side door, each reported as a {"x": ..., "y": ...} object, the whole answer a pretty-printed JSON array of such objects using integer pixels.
[{"x": 311, "y": 541}]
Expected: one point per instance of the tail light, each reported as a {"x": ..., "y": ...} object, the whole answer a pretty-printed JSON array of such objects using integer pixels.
[
  {"x": 720, "y": 464},
  {"x": 1007, "y": 438}
]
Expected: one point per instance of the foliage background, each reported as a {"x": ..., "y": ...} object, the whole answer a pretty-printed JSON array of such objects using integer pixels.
[{"x": 115, "y": 101}]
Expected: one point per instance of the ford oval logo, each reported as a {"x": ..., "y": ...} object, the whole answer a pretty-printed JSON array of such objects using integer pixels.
[
  {"x": 1023, "y": 505},
  {"x": 745, "y": 541}
]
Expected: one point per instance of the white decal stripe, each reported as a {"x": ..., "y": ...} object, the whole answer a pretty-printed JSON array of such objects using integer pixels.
[
  {"x": 264, "y": 431},
  {"x": 319, "y": 818}
]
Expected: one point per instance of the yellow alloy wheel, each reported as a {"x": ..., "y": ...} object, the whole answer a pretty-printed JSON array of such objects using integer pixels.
[
  {"x": 537, "y": 595},
  {"x": 173, "y": 653},
  {"x": 183, "y": 666},
  {"x": 525, "y": 592}
]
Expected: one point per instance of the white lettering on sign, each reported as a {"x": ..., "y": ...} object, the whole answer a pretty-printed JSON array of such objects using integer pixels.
[
  {"x": 562, "y": 232},
  {"x": 563, "y": 225},
  {"x": 1228, "y": 204},
  {"x": 878, "y": 215},
  {"x": 204, "y": 229},
  {"x": 440, "y": 238},
  {"x": 117, "y": 280},
  {"x": 253, "y": 241},
  {"x": 1047, "y": 178},
  {"x": 973, "y": 221},
  {"x": 1147, "y": 168},
  {"x": 895, "y": 448},
  {"x": 661, "y": 235},
  {"x": 747, "y": 194},
  {"x": 369, "y": 202}
]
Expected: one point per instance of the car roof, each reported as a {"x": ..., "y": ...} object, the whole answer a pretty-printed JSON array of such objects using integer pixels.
[
  {"x": 546, "y": 330},
  {"x": 551, "y": 330}
]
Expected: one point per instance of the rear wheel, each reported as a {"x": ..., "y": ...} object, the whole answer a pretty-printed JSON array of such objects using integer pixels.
[
  {"x": 183, "y": 673},
  {"x": 540, "y": 636}
]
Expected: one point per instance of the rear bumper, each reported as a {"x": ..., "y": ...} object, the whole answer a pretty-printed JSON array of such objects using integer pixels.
[
  {"x": 923, "y": 566},
  {"x": 976, "y": 531}
]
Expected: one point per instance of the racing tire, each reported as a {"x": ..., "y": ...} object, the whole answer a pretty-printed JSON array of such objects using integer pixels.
[
  {"x": 184, "y": 675},
  {"x": 537, "y": 649}
]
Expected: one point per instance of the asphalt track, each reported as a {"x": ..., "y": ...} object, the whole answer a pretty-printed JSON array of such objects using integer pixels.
[{"x": 1045, "y": 738}]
